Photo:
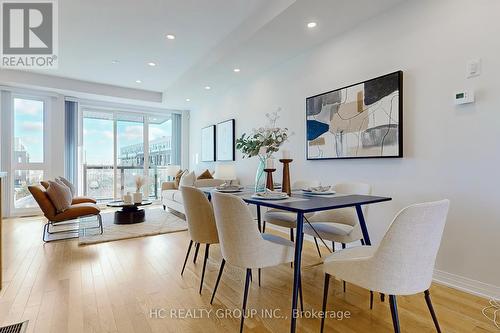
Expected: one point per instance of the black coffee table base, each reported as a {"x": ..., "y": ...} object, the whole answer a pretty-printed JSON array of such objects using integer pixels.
[{"x": 129, "y": 215}]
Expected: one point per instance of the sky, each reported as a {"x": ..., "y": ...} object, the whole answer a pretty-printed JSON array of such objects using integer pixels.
[{"x": 28, "y": 127}]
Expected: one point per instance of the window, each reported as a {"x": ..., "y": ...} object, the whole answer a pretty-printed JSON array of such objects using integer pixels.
[
  {"x": 28, "y": 150},
  {"x": 118, "y": 146}
]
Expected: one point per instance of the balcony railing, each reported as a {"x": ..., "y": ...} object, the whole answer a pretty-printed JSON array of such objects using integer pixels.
[{"x": 98, "y": 180}]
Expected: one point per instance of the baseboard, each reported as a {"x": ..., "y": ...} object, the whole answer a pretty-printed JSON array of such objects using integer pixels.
[{"x": 465, "y": 284}]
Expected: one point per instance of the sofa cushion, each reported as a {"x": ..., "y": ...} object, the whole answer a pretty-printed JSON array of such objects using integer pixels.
[
  {"x": 168, "y": 194},
  {"x": 205, "y": 175},
  {"x": 177, "y": 197},
  {"x": 60, "y": 195},
  {"x": 177, "y": 177},
  {"x": 208, "y": 182},
  {"x": 187, "y": 179}
]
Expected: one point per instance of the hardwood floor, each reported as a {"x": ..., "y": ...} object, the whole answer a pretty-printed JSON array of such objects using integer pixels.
[{"x": 112, "y": 287}]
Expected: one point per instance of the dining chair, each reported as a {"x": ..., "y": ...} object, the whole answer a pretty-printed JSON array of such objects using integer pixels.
[
  {"x": 402, "y": 264},
  {"x": 201, "y": 224},
  {"x": 287, "y": 219},
  {"x": 242, "y": 244},
  {"x": 338, "y": 225}
]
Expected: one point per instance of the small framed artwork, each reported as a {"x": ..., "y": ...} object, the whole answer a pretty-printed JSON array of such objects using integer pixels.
[
  {"x": 208, "y": 144},
  {"x": 363, "y": 120},
  {"x": 225, "y": 141}
]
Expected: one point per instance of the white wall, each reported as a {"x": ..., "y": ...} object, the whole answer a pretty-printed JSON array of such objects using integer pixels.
[{"x": 450, "y": 152}]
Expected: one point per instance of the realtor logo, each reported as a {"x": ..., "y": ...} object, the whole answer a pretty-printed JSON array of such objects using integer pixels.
[{"x": 29, "y": 34}]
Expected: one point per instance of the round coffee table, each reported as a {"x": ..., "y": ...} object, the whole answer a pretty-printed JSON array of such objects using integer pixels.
[{"x": 130, "y": 213}]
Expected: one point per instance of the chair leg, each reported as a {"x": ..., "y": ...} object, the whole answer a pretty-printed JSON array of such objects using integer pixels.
[
  {"x": 382, "y": 297},
  {"x": 245, "y": 296},
  {"x": 394, "y": 313},
  {"x": 164, "y": 207},
  {"x": 371, "y": 299},
  {"x": 259, "y": 277},
  {"x": 317, "y": 246},
  {"x": 343, "y": 282},
  {"x": 325, "y": 298},
  {"x": 207, "y": 247},
  {"x": 333, "y": 246},
  {"x": 264, "y": 227},
  {"x": 300, "y": 293},
  {"x": 197, "y": 248},
  {"x": 218, "y": 279},
  {"x": 362, "y": 241},
  {"x": 431, "y": 310},
  {"x": 291, "y": 234},
  {"x": 187, "y": 255}
]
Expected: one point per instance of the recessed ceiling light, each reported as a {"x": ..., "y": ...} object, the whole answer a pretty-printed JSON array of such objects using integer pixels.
[
  {"x": 188, "y": 100},
  {"x": 151, "y": 64},
  {"x": 138, "y": 81},
  {"x": 170, "y": 37},
  {"x": 208, "y": 87},
  {"x": 311, "y": 24},
  {"x": 236, "y": 70},
  {"x": 115, "y": 61}
]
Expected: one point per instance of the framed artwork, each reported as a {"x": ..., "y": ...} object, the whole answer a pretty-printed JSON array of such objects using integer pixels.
[
  {"x": 363, "y": 120},
  {"x": 208, "y": 144},
  {"x": 225, "y": 141}
]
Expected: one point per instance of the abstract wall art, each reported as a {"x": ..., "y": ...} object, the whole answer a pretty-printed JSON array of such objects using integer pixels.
[
  {"x": 363, "y": 120},
  {"x": 208, "y": 144},
  {"x": 225, "y": 141}
]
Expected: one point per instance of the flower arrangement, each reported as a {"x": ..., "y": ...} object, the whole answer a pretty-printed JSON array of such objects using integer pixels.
[
  {"x": 264, "y": 141},
  {"x": 140, "y": 181}
]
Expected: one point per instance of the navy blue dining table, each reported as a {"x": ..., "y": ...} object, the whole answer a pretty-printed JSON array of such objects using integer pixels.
[{"x": 309, "y": 204}]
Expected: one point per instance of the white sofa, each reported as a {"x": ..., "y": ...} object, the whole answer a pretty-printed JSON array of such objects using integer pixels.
[{"x": 172, "y": 198}]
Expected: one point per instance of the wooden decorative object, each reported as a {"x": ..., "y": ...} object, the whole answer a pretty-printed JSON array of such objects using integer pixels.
[
  {"x": 270, "y": 182},
  {"x": 285, "y": 184}
]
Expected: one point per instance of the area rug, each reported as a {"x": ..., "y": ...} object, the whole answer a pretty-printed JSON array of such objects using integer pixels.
[{"x": 157, "y": 222}]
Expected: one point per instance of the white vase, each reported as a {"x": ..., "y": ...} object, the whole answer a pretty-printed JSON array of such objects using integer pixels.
[
  {"x": 137, "y": 197},
  {"x": 127, "y": 198}
]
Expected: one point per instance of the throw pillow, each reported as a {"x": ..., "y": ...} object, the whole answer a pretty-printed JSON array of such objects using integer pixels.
[
  {"x": 68, "y": 184},
  {"x": 177, "y": 178},
  {"x": 60, "y": 195},
  {"x": 187, "y": 179},
  {"x": 205, "y": 175}
]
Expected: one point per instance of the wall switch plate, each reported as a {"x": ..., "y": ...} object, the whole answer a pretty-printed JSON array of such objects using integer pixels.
[
  {"x": 464, "y": 97},
  {"x": 473, "y": 68}
]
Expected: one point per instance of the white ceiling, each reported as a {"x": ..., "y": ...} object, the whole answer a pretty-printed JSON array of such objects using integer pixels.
[{"x": 212, "y": 38}]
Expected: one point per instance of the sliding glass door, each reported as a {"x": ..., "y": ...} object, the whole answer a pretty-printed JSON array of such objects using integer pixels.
[
  {"x": 118, "y": 146},
  {"x": 98, "y": 150}
]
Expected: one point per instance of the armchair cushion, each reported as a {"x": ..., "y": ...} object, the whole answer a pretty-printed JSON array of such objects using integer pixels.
[
  {"x": 76, "y": 211},
  {"x": 60, "y": 195},
  {"x": 69, "y": 185},
  {"x": 78, "y": 200}
]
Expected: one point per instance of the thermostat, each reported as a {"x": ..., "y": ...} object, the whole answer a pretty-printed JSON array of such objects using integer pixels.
[{"x": 464, "y": 97}]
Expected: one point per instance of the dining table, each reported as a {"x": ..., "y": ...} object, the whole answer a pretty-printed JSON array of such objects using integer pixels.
[{"x": 302, "y": 203}]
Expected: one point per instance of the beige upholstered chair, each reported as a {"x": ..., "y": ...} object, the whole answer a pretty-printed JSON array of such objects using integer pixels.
[
  {"x": 402, "y": 264},
  {"x": 243, "y": 245},
  {"x": 201, "y": 224},
  {"x": 338, "y": 225},
  {"x": 287, "y": 219}
]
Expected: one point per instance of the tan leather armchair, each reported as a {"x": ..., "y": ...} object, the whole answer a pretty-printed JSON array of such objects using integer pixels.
[{"x": 75, "y": 211}]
